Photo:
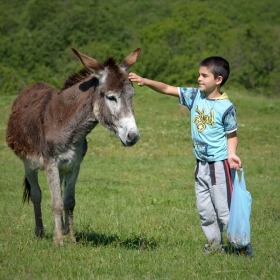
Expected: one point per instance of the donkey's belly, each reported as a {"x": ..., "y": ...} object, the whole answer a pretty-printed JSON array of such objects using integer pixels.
[{"x": 72, "y": 157}]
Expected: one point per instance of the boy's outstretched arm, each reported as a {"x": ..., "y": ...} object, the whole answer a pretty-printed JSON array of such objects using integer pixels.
[
  {"x": 154, "y": 85},
  {"x": 233, "y": 159}
]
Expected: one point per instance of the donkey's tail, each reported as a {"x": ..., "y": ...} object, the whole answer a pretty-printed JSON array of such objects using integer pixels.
[{"x": 26, "y": 191}]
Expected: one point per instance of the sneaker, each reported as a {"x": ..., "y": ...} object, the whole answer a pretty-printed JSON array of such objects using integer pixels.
[
  {"x": 247, "y": 251},
  {"x": 208, "y": 249}
]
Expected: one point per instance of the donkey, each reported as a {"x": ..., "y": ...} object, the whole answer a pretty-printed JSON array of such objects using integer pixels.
[{"x": 47, "y": 130}]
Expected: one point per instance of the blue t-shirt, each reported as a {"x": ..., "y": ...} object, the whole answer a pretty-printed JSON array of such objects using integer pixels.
[{"x": 211, "y": 120}]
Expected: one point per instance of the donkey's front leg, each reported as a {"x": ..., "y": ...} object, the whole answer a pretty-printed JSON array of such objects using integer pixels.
[
  {"x": 53, "y": 179},
  {"x": 69, "y": 201}
]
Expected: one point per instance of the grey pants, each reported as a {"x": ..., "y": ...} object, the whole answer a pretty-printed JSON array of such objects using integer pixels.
[{"x": 213, "y": 187}]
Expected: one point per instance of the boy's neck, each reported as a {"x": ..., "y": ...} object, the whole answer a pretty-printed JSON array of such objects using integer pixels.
[{"x": 213, "y": 95}]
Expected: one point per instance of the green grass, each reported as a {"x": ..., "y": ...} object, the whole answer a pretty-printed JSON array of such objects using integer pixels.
[{"x": 135, "y": 215}]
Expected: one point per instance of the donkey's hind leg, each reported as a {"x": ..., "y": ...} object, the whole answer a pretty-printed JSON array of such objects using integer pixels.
[
  {"x": 33, "y": 191},
  {"x": 69, "y": 201}
]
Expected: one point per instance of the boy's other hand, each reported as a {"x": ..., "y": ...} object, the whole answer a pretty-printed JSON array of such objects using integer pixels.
[{"x": 234, "y": 162}]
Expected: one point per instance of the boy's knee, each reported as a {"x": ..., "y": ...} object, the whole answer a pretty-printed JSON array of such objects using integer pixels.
[{"x": 207, "y": 220}]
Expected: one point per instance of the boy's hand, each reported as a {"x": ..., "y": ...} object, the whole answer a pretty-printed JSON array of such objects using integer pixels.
[
  {"x": 136, "y": 79},
  {"x": 234, "y": 162}
]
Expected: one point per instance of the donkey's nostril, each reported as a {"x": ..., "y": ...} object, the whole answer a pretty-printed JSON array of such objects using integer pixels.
[{"x": 133, "y": 137}]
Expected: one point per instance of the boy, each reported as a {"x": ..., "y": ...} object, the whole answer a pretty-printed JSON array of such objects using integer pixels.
[{"x": 213, "y": 127}]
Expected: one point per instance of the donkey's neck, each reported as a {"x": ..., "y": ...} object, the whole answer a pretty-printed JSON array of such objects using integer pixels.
[{"x": 70, "y": 115}]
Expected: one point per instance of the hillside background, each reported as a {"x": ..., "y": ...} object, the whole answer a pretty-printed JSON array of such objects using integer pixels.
[{"x": 37, "y": 36}]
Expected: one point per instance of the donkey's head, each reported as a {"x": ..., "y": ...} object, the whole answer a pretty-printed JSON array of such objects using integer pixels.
[{"x": 113, "y": 95}]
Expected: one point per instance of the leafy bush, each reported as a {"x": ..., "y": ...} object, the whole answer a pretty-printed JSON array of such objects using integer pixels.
[{"x": 36, "y": 37}]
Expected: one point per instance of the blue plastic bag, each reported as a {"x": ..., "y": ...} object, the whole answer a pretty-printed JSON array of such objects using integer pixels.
[{"x": 238, "y": 228}]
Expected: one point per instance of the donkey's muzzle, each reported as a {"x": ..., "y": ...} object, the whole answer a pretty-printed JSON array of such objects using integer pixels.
[
  {"x": 128, "y": 132},
  {"x": 132, "y": 138}
]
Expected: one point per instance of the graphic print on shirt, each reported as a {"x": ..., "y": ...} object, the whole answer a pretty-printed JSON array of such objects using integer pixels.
[
  {"x": 201, "y": 149},
  {"x": 201, "y": 120}
]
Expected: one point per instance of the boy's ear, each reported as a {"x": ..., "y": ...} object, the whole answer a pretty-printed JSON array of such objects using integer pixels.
[{"x": 219, "y": 80}]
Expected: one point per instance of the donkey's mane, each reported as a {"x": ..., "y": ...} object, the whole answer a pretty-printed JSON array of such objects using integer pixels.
[
  {"x": 76, "y": 78},
  {"x": 110, "y": 61},
  {"x": 85, "y": 73}
]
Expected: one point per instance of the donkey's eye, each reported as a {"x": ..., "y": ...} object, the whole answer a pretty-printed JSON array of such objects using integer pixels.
[{"x": 111, "y": 98}]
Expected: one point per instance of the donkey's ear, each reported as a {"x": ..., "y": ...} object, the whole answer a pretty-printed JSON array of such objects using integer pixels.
[
  {"x": 94, "y": 66},
  {"x": 130, "y": 60}
]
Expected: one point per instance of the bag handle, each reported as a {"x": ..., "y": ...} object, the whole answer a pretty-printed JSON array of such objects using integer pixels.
[{"x": 237, "y": 181}]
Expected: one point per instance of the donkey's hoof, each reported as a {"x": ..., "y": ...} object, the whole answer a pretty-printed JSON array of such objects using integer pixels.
[
  {"x": 72, "y": 239},
  {"x": 58, "y": 241},
  {"x": 39, "y": 232}
]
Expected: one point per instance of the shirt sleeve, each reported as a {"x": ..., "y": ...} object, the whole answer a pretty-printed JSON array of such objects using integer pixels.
[
  {"x": 230, "y": 122},
  {"x": 187, "y": 96}
]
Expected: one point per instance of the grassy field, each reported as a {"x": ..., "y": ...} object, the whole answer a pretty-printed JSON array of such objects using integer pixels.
[{"x": 135, "y": 215}]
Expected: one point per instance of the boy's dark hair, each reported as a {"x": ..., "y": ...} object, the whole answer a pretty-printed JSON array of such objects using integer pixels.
[{"x": 218, "y": 66}]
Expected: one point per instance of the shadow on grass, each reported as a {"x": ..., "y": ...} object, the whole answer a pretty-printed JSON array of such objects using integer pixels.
[{"x": 140, "y": 242}]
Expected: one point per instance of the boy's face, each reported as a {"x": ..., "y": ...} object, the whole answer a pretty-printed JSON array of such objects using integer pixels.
[{"x": 206, "y": 80}]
